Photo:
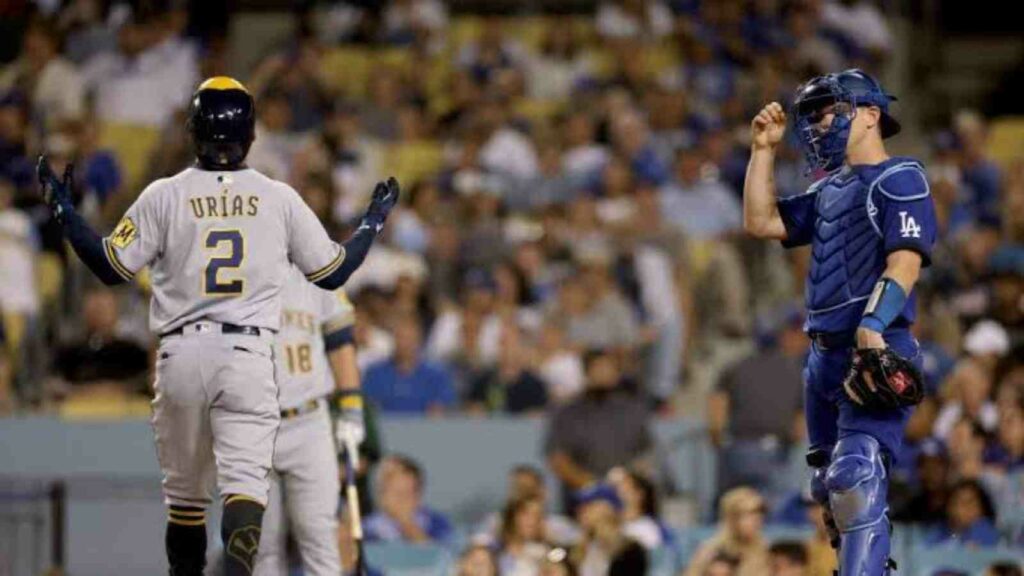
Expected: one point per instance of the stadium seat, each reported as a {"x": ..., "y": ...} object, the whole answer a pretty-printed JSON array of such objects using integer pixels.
[
  {"x": 1006, "y": 139},
  {"x": 14, "y": 325},
  {"x": 346, "y": 69},
  {"x": 926, "y": 560},
  {"x": 105, "y": 405},
  {"x": 537, "y": 111},
  {"x": 49, "y": 277},
  {"x": 398, "y": 559},
  {"x": 413, "y": 161},
  {"x": 133, "y": 145},
  {"x": 463, "y": 30}
]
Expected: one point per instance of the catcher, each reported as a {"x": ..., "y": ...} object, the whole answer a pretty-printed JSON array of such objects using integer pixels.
[{"x": 870, "y": 223}]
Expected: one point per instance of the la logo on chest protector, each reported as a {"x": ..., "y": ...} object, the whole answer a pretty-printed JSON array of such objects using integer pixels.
[{"x": 909, "y": 228}]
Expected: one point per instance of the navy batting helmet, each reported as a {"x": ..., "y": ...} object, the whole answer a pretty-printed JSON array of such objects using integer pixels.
[
  {"x": 826, "y": 149},
  {"x": 222, "y": 123}
]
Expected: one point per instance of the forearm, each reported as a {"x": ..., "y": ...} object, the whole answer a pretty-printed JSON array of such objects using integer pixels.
[
  {"x": 760, "y": 213},
  {"x": 568, "y": 471},
  {"x": 890, "y": 294},
  {"x": 344, "y": 368},
  {"x": 90, "y": 249},
  {"x": 356, "y": 248},
  {"x": 903, "y": 266},
  {"x": 718, "y": 410}
]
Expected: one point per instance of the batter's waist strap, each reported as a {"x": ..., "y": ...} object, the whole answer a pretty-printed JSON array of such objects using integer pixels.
[
  {"x": 207, "y": 326},
  {"x": 302, "y": 409}
]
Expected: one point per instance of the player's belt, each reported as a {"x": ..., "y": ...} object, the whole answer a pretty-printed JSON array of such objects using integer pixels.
[
  {"x": 301, "y": 410},
  {"x": 833, "y": 340},
  {"x": 224, "y": 329}
]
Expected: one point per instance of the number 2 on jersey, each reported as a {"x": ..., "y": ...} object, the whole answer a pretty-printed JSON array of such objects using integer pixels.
[
  {"x": 300, "y": 358},
  {"x": 213, "y": 284}
]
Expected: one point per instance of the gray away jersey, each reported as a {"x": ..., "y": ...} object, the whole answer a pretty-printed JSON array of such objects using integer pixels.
[
  {"x": 307, "y": 314},
  {"x": 219, "y": 245}
]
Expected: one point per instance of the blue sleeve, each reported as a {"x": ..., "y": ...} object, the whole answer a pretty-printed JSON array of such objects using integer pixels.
[
  {"x": 798, "y": 214},
  {"x": 339, "y": 338},
  {"x": 906, "y": 213},
  {"x": 444, "y": 392},
  {"x": 440, "y": 528},
  {"x": 356, "y": 249},
  {"x": 90, "y": 249}
]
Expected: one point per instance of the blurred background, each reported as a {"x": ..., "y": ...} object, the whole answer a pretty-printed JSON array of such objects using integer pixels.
[{"x": 599, "y": 359}]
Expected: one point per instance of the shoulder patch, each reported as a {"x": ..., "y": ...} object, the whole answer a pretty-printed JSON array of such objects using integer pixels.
[
  {"x": 124, "y": 234},
  {"x": 903, "y": 182}
]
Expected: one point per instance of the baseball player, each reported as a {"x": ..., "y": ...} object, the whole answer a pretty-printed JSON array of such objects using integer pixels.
[
  {"x": 316, "y": 355},
  {"x": 220, "y": 240},
  {"x": 870, "y": 223}
]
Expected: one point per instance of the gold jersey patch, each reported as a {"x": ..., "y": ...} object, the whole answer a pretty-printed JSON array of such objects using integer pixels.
[{"x": 124, "y": 234}]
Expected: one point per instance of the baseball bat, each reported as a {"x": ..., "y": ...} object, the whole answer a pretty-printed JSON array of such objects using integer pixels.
[{"x": 352, "y": 496}]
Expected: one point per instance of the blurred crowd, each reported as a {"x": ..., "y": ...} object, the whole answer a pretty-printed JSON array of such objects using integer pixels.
[{"x": 569, "y": 245}]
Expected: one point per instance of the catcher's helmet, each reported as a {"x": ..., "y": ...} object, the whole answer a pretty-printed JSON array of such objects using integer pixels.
[
  {"x": 826, "y": 149},
  {"x": 222, "y": 123}
]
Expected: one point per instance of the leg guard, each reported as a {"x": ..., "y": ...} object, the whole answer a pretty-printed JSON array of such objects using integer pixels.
[
  {"x": 857, "y": 483},
  {"x": 240, "y": 531},
  {"x": 185, "y": 540},
  {"x": 819, "y": 460}
]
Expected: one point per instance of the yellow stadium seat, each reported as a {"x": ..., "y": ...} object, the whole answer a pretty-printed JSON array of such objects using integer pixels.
[
  {"x": 529, "y": 30},
  {"x": 661, "y": 57},
  {"x": 396, "y": 58},
  {"x": 104, "y": 404},
  {"x": 539, "y": 111},
  {"x": 347, "y": 69},
  {"x": 463, "y": 30},
  {"x": 1006, "y": 139},
  {"x": 49, "y": 277},
  {"x": 14, "y": 332},
  {"x": 413, "y": 161},
  {"x": 133, "y": 145}
]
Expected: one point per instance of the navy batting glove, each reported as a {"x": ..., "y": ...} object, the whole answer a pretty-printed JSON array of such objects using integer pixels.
[
  {"x": 56, "y": 193},
  {"x": 385, "y": 196}
]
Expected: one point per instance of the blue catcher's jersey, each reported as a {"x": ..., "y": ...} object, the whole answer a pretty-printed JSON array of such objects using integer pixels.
[{"x": 853, "y": 219}]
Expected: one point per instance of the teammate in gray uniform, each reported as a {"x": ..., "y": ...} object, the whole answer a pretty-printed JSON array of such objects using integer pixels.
[
  {"x": 316, "y": 356},
  {"x": 219, "y": 239}
]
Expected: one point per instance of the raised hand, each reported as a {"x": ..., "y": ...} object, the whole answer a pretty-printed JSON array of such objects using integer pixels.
[{"x": 768, "y": 127}]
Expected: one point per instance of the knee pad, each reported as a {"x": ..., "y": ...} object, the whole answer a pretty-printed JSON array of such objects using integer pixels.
[
  {"x": 240, "y": 531},
  {"x": 819, "y": 460},
  {"x": 857, "y": 483}
]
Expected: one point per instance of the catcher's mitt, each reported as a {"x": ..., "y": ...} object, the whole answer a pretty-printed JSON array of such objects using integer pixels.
[{"x": 894, "y": 381}]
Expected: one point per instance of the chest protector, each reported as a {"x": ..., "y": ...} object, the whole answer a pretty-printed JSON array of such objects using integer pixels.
[{"x": 847, "y": 254}]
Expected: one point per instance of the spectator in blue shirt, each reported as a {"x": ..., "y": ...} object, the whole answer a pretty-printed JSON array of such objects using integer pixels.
[
  {"x": 970, "y": 518},
  {"x": 401, "y": 515},
  {"x": 406, "y": 383}
]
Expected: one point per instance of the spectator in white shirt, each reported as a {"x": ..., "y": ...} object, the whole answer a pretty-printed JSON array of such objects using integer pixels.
[
  {"x": 554, "y": 72},
  {"x": 53, "y": 83},
  {"x": 152, "y": 74},
  {"x": 634, "y": 19},
  {"x": 860, "y": 22},
  {"x": 969, "y": 388},
  {"x": 582, "y": 155},
  {"x": 699, "y": 206},
  {"x": 505, "y": 150}
]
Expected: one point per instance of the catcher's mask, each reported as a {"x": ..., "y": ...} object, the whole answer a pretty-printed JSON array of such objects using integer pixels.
[{"x": 841, "y": 94}]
